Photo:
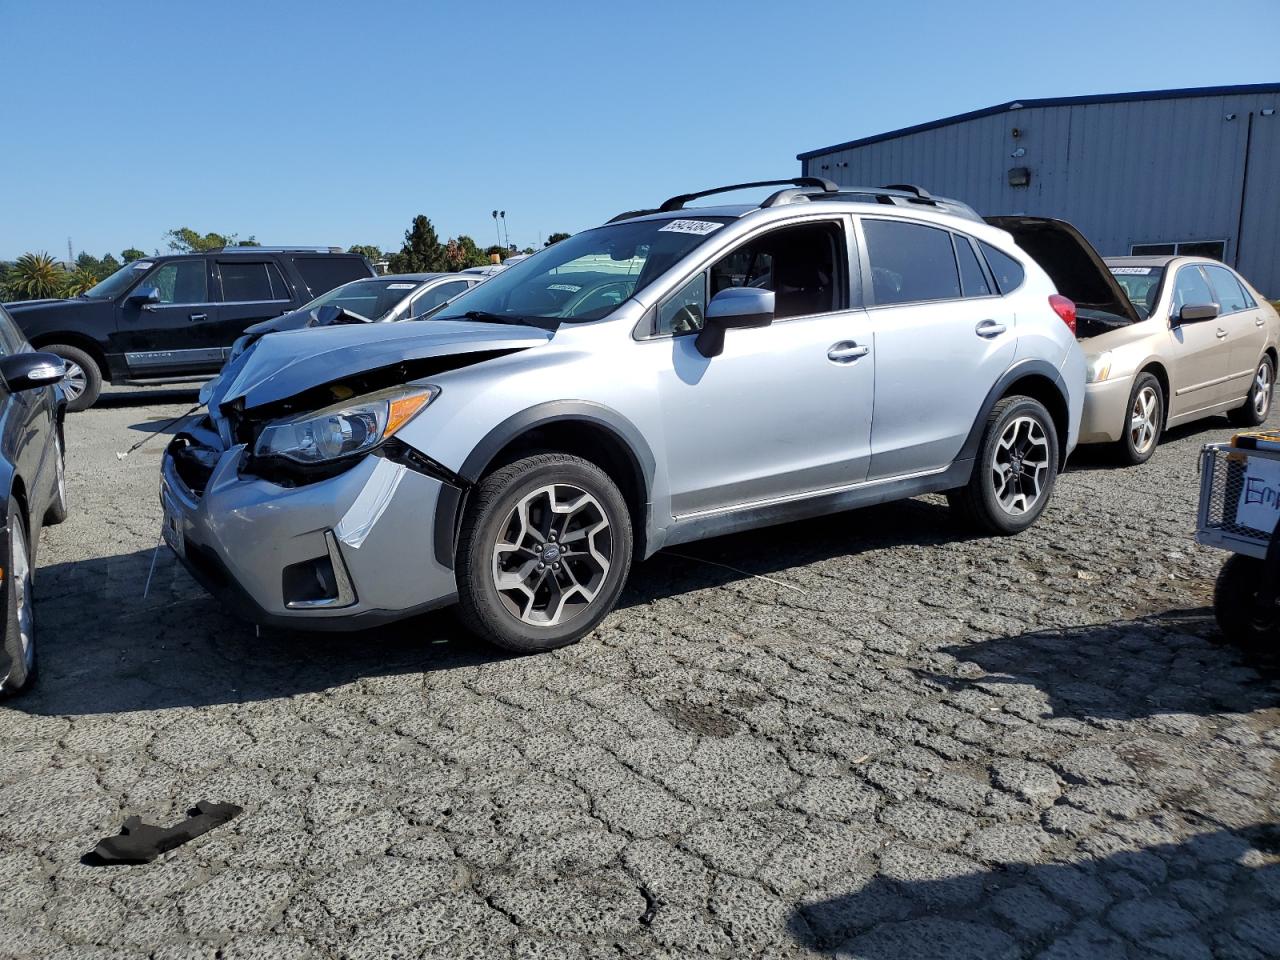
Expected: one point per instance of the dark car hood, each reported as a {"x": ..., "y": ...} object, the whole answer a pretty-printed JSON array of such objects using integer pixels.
[
  {"x": 292, "y": 362},
  {"x": 27, "y": 307},
  {"x": 1071, "y": 263}
]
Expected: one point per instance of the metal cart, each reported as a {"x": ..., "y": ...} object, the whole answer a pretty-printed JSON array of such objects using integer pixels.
[{"x": 1239, "y": 506}]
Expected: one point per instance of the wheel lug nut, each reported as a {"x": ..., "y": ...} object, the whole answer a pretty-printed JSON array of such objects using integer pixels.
[{"x": 541, "y": 566}]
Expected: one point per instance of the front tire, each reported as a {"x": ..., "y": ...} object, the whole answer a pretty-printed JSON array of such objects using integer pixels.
[
  {"x": 1235, "y": 604},
  {"x": 83, "y": 380},
  {"x": 1015, "y": 469},
  {"x": 19, "y": 658},
  {"x": 1144, "y": 421},
  {"x": 1258, "y": 404},
  {"x": 543, "y": 553}
]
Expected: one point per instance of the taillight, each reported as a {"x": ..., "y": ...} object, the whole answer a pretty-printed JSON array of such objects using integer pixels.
[{"x": 1065, "y": 309}]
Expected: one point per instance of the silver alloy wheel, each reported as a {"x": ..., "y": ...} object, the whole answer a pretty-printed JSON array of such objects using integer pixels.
[
  {"x": 1020, "y": 465},
  {"x": 74, "y": 381},
  {"x": 1262, "y": 385},
  {"x": 1144, "y": 420},
  {"x": 553, "y": 555},
  {"x": 21, "y": 574}
]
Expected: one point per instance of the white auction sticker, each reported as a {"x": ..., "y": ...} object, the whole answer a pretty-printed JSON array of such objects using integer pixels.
[
  {"x": 697, "y": 227},
  {"x": 401, "y": 286},
  {"x": 141, "y": 264},
  {"x": 564, "y": 286},
  {"x": 1259, "y": 503},
  {"x": 1131, "y": 271}
]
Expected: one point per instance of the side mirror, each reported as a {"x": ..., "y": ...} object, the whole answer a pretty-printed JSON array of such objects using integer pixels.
[
  {"x": 735, "y": 307},
  {"x": 144, "y": 295},
  {"x": 26, "y": 371},
  {"x": 1197, "y": 313}
]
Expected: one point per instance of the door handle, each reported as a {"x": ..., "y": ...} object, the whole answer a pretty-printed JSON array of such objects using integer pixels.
[
  {"x": 198, "y": 316},
  {"x": 847, "y": 351},
  {"x": 1259, "y": 322},
  {"x": 1221, "y": 333},
  {"x": 989, "y": 329}
]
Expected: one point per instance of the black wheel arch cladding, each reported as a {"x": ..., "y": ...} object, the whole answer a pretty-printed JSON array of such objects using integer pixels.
[{"x": 1037, "y": 379}]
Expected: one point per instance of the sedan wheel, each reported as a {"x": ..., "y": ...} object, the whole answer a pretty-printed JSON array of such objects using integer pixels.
[
  {"x": 1143, "y": 420},
  {"x": 1263, "y": 383},
  {"x": 19, "y": 634}
]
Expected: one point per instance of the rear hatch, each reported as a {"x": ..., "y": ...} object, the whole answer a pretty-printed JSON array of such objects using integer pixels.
[{"x": 1075, "y": 268}]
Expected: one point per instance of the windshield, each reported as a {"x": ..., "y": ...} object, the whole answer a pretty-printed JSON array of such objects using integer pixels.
[
  {"x": 371, "y": 299},
  {"x": 118, "y": 282},
  {"x": 1141, "y": 285},
  {"x": 585, "y": 277}
]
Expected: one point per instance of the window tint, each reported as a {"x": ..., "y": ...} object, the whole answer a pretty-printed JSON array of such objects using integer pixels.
[
  {"x": 324, "y": 273},
  {"x": 683, "y": 312},
  {"x": 181, "y": 281},
  {"x": 1007, "y": 271},
  {"x": 910, "y": 262},
  {"x": 11, "y": 339},
  {"x": 436, "y": 296},
  {"x": 251, "y": 281},
  {"x": 1230, "y": 296},
  {"x": 972, "y": 277},
  {"x": 1191, "y": 289}
]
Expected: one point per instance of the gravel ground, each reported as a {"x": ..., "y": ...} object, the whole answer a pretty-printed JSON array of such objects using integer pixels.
[{"x": 867, "y": 736}]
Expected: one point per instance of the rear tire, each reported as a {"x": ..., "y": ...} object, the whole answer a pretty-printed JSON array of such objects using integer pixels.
[
  {"x": 19, "y": 633},
  {"x": 1144, "y": 421},
  {"x": 57, "y": 511},
  {"x": 543, "y": 553},
  {"x": 1235, "y": 604},
  {"x": 1258, "y": 404},
  {"x": 83, "y": 381},
  {"x": 1015, "y": 469}
]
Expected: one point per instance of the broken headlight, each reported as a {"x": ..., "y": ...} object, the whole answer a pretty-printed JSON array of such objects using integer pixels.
[{"x": 351, "y": 427}]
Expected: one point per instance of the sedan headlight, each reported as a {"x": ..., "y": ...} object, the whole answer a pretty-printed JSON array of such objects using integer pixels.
[
  {"x": 1098, "y": 367},
  {"x": 344, "y": 429}
]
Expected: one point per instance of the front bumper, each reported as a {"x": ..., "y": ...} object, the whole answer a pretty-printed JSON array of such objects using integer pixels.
[
  {"x": 374, "y": 522},
  {"x": 1106, "y": 406}
]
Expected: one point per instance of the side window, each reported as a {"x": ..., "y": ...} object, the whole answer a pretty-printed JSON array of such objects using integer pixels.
[
  {"x": 181, "y": 281},
  {"x": 1007, "y": 271},
  {"x": 436, "y": 296},
  {"x": 973, "y": 279},
  {"x": 251, "y": 281},
  {"x": 683, "y": 313},
  {"x": 910, "y": 262},
  {"x": 1231, "y": 297},
  {"x": 321, "y": 274},
  {"x": 1191, "y": 289}
]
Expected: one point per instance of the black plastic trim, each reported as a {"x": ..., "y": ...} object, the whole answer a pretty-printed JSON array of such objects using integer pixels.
[{"x": 1024, "y": 368}]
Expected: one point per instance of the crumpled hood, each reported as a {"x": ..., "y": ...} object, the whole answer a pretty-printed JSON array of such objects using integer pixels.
[{"x": 289, "y": 362}]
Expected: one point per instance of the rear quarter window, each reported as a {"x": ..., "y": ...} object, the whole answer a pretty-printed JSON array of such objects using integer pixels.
[
  {"x": 1009, "y": 273},
  {"x": 322, "y": 274}
]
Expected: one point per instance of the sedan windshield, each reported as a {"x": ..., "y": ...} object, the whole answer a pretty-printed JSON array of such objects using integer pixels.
[
  {"x": 118, "y": 282},
  {"x": 586, "y": 276},
  {"x": 1141, "y": 285},
  {"x": 371, "y": 299}
]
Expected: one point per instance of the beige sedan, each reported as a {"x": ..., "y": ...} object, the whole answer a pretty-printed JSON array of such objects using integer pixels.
[{"x": 1199, "y": 341}]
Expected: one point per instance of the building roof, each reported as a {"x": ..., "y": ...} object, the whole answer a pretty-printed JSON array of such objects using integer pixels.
[{"x": 1177, "y": 94}]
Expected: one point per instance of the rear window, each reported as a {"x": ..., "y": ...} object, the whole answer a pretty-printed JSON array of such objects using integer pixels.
[
  {"x": 910, "y": 263},
  {"x": 1008, "y": 271},
  {"x": 322, "y": 274}
]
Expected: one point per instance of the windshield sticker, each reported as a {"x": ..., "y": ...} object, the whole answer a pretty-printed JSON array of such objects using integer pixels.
[
  {"x": 1131, "y": 271},
  {"x": 565, "y": 286},
  {"x": 401, "y": 286},
  {"x": 697, "y": 227},
  {"x": 142, "y": 265}
]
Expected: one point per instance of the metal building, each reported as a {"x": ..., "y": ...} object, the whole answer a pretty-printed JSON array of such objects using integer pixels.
[{"x": 1194, "y": 170}]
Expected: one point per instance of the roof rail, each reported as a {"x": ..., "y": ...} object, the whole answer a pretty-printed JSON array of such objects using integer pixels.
[
  {"x": 909, "y": 188},
  {"x": 269, "y": 249},
  {"x": 678, "y": 202}
]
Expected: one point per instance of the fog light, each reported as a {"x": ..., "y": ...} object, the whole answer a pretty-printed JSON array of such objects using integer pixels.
[{"x": 318, "y": 583}]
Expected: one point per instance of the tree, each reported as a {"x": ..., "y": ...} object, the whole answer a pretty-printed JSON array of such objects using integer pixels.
[
  {"x": 366, "y": 250},
  {"x": 34, "y": 277},
  {"x": 461, "y": 252},
  {"x": 101, "y": 269},
  {"x": 186, "y": 240},
  {"x": 556, "y": 238},
  {"x": 501, "y": 251},
  {"x": 422, "y": 251},
  {"x": 131, "y": 254},
  {"x": 79, "y": 280}
]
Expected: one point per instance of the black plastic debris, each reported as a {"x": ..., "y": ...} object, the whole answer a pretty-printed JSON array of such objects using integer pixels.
[{"x": 140, "y": 842}]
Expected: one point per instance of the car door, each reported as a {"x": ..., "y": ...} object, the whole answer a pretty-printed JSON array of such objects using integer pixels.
[
  {"x": 176, "y": 334},
  {"x": 944, "y": 334},
  {"x": 785, "y": 409},
  {"x": 250, "y": 289},
  {"x": 1201, "y": 353},
  {"x": 1246, "y": 329}
]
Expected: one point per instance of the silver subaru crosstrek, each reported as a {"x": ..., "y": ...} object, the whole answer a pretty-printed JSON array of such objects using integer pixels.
[{"x": 675, "y": 374}]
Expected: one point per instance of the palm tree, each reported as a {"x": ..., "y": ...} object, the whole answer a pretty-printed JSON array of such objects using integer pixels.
[
  {"x": 34, "y": 277},
  {"x": 78, "y": 281}
]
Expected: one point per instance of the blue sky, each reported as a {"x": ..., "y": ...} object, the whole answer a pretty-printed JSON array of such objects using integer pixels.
[{"x": 336, "y": 123}]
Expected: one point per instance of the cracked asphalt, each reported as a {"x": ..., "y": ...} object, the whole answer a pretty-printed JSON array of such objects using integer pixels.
[{"x": 866, "y": 736}]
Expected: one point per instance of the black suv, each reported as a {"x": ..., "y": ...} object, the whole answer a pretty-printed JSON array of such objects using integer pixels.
[{"x": 174, "y": 318}]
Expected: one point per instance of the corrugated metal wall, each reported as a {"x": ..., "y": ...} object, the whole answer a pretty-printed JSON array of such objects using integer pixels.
[{"x": 1144, "y": 171}]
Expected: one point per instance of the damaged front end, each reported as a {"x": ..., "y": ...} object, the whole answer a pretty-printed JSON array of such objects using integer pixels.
[{"x": 294, "y": 498}]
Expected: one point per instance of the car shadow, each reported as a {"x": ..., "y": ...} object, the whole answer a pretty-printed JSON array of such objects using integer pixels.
[
  {"x": 1168, "y": 663},
  {"x": 1101, "y": 456},
  {"x": 1214, "y": 885},
  {"x": 105, "y": 648}
]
